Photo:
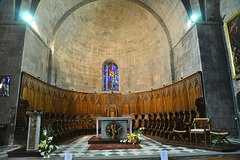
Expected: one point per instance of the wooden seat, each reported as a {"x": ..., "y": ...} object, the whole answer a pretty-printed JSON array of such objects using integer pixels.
[
  {"x": 161, "y": 125},
  {"x": 179, "y": 128},
  {"x": 201, "y": 127},
  {"x": 165, "y": 125},
  {"x": 169, "y": 132},
  {"x": 221, "y": 137}
]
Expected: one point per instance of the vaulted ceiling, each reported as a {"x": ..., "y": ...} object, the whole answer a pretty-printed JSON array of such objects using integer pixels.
[{"x": 137, "y": 34}]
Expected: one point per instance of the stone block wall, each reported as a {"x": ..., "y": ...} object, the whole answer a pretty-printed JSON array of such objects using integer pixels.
[
  {"x": 142, "y": 53},
  {"x": 169, "y": 11},
  {"x": 228, "y": 8},
  {"x": 187, "y": 55},
  {"x": 35, "y": 55},
  {"x": 11, "y": 42},
  {"x": 7, "y": 11}
]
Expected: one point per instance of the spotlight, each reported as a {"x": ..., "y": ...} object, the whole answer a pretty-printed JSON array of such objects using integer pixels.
[
  {"x": 27, "y": 17},
  {"x": 194, "y": 17}
]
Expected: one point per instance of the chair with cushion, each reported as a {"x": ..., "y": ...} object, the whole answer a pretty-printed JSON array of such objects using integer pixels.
[{"x": 201, "y": 128}]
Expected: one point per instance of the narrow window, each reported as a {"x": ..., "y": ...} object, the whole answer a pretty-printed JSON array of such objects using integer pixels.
[{"x": 110, "y": 77}]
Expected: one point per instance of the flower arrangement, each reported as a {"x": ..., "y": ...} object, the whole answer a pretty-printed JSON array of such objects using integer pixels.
[
  {"x": 133, "y": 138},
  {"x": 46, "y": 147}
]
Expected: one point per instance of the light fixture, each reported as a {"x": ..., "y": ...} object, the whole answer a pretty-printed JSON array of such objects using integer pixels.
[
  {"x": 194, "y": 18},
  {"x": 27, "y": 17}
]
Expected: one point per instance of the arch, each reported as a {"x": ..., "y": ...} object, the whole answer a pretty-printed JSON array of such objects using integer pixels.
[
  {"x": 137, "y": 2},
  {"x": 112, "y": 111},
  {"x": 110, "y": 76}
]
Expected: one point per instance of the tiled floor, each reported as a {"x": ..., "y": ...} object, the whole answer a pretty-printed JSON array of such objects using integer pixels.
[
  {"x": 5, "y": 149},
  {"x": 150, "y": 148}
]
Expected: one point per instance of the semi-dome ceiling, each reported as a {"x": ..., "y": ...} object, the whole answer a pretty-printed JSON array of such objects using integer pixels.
[
  {"x": 133, "y": 33},
  {"x": 115, "y": 28}
]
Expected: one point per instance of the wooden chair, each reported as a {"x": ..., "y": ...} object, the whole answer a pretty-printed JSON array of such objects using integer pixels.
[
  {"x": 161, "y": 125},
  {"x": 179, "y": 128},
  {"x": 169, "y": 132},
  {"x": 221, "y": 137},
  {"x": 201, "y": 127}
]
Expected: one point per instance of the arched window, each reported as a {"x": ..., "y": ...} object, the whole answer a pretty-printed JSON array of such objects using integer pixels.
[{"x": 110, "y": 77}]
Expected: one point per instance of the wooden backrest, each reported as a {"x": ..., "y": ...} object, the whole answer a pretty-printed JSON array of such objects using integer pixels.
[
  {"x": 201, "y": 123},
  {"x": 179, "y": 123}
]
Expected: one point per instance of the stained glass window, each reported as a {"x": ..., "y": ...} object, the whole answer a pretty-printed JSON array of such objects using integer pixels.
[{"x": 110, "y": 77}]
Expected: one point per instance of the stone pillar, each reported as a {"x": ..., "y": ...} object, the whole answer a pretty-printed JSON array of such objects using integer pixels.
[
  {"x": 216, "y": 78},
  {"x": 34, "y": 125}
]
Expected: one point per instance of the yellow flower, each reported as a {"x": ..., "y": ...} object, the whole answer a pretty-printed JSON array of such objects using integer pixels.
[{"x": 42, "y": 145}]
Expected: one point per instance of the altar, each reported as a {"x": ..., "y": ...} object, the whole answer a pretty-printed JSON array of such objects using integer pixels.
[{"x": 113, "y": 127}]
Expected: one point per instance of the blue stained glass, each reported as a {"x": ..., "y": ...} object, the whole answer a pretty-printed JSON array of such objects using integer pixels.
[{"x": 110, "y": 77}]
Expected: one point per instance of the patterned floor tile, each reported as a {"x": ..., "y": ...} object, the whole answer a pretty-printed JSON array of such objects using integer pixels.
[{"x": 79, "y": 148}]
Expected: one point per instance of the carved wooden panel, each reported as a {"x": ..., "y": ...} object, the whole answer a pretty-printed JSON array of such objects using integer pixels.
[{"x": 176, "y": 97}]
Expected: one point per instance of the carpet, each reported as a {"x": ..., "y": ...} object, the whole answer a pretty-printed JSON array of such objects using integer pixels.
[{"x": 113, "y": 146}]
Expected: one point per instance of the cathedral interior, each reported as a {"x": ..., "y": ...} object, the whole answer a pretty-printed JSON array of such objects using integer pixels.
[{"x": 73, "y": 61}]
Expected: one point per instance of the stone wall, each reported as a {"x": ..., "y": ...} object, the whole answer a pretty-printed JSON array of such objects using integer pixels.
[
  {"x": 228, "y": 8},
  {"x": 187, "y": 55},
  {"x": 169, "y": 12},
  {"x": 11, "y": 42},
  {"x": 125, "y": 33},
  {"x": 35, "y": 55},
  {"x": 6, "y": 11}
]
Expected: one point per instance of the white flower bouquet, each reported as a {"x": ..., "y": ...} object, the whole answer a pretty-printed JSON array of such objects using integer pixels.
[{"x": 46, "y": 147}]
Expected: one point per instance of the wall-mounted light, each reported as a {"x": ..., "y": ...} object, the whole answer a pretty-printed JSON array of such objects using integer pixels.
[
  {"x": 27, "y": 17},
  {"x": 193, "y": 17}
]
